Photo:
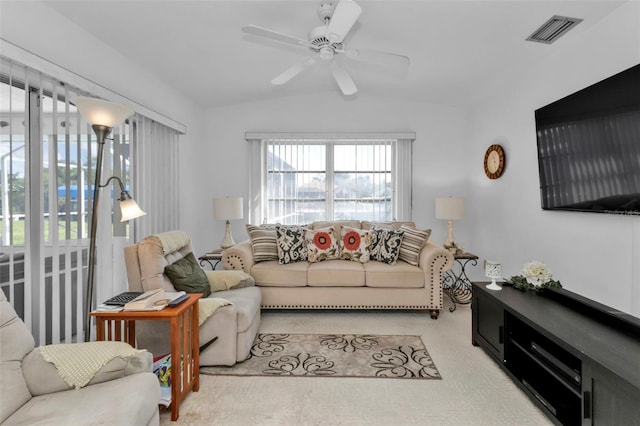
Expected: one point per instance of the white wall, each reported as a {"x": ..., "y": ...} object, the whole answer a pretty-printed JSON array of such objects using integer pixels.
[
  {"x": 595, "y": 255},
  {"x": 438, "y": 148},
  {"x": 36, "y": 28}
]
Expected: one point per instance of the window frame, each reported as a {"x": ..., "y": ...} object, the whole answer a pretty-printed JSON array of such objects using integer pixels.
[{"x": 401, "y": 166}]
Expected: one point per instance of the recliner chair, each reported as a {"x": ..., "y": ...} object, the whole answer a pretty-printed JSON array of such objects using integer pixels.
[
  {"x": 122, "y": 392},
  {"x": 226, "y": 336}
]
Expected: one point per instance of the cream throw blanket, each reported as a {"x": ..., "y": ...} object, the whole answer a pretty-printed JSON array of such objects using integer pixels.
[
  {"x": 77, "y": 363},
  {"x": 208, "y": 306},
  {"x": 173, "y": 240}
]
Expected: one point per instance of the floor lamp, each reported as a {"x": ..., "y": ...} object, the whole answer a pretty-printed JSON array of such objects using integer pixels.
[{"x": 103, "y": 117}]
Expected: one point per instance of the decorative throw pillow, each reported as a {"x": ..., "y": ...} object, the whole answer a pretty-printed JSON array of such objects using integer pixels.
[
  {"x": 263, "y": 242},
  {"x": 385, "y": 244},
  {"x": 412, "y": 242},
  {"x": 321, "y": 244},
  {"x": 291, "y": 244},
  {"x": 354, "y": 244},
  {"x": 187, "y": 275}
]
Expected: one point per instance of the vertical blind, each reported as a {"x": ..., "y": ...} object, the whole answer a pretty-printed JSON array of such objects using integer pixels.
[
  {"x": 302, "y": 179},
  {"x": 48, "y": 159},
  {"x": 155, "y": 177}
]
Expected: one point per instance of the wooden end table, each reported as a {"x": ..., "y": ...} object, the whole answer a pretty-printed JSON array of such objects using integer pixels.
[{"x": 185, "y": 354}]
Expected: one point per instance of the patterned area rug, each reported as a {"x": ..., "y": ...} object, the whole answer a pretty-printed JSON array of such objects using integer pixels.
[{"x": 331, "y": 355}]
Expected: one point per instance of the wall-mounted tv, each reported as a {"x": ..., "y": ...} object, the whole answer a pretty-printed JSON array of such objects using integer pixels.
[{"x": 589, "y": 148}]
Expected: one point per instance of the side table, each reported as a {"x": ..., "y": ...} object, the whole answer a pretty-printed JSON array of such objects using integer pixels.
[
  {"x": 185, "y": 356},
  {"x": 213, "y": 258},
  {"x": 455, "y": 282}
]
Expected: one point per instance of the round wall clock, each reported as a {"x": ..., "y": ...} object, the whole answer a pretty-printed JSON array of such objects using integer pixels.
[{"x": 494, "y": 161}]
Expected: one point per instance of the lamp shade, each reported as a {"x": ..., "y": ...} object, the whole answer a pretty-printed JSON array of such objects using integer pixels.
[
  {"x": 129, "y": 209},
  {"x": 450, "y": 208},
  {"x": 103, "y": 113},
  {"x": 227, "y": 208}
]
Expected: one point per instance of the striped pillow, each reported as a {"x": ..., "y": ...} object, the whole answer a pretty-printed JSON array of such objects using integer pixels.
[
  {"x": 412, "y": 242},
  {"x": 263, "y": 242}
]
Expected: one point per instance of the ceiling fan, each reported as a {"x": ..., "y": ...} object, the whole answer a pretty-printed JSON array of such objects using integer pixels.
[{"x": 327, "y": 41}]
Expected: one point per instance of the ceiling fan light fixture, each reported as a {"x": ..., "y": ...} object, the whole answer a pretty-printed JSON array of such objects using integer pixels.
[{"x": 326, "y": 53}]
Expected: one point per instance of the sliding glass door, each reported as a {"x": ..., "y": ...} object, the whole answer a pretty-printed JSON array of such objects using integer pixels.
[{"x": 47, "y": 165}]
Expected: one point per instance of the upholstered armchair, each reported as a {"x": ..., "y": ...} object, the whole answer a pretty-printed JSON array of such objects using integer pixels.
[
  {"x": 227, "y": 334},
  {"x": 123, "y": 391}
]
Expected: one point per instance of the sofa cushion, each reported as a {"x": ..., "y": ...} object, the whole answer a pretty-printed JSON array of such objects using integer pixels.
[
  {"x": 354, "y": 244},
  {"x": 273, "y": 274},
  {"x": 385, "y": 244},
  {"x": 399, "y": 275},
  {"x": 246, "y": 302},
  {"x": 291, "y": 244},
  {"x": 412, "y": 242},
  {"x": 151, "y": 262},
  {"x": 131, "y": 400},
  {"x": 187, "y": 275},
  {"x": 17, "y": 342},
  {"x": 335, "y": 273},
  {"x": 322, "y": 244},
  {"x": 263, "y": 242}
]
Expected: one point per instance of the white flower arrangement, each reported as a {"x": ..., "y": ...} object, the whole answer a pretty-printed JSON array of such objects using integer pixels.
[{"x": 535, "y": 276}]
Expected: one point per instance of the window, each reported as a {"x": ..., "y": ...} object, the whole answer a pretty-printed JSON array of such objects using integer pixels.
[{"x": 306, "y": 179}]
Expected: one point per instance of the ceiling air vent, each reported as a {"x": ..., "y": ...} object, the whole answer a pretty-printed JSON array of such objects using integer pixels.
[{"x": 553, "y": 29}]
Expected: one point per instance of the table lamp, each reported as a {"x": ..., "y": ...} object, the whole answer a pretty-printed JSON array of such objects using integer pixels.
[
  {"x": 493, "y": 270},
  {"x": 227, "y": 209},
  {"x": 450, "y": 209}
]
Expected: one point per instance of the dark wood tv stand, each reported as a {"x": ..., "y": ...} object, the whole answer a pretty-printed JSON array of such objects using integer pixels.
[{"x": 578, "y": 360}]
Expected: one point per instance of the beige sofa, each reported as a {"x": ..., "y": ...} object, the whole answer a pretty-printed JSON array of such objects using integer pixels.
[
  {"x": 345, "y": 284},
  {"x": 123, "y": 392}
]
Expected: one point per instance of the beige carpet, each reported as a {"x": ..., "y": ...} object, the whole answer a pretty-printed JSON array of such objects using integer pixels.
[
  {"x": 334, "y": 355},
  {"x": 473, "y": 390}
]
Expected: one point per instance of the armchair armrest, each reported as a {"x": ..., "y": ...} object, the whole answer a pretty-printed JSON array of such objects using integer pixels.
[
  {"x": 434, "y": 261},
  {"x": 42, "y": 376},
  {"x": 239, "y": 257}
]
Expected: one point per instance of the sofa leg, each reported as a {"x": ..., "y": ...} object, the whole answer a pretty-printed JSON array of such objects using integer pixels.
[{"x": 434, "y": 313}]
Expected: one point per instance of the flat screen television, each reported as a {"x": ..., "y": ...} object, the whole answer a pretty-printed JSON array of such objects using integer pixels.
[{"x": 589, "y": 148}]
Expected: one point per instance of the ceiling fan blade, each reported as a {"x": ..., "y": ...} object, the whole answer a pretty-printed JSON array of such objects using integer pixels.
[
  {"x": 344, "y": 16},
  {"x": 343, "y": 79},
  {"x": 377, "y": 57},
  {"x": 263, "y": 32},
  {"x": 294, "y": 70}
]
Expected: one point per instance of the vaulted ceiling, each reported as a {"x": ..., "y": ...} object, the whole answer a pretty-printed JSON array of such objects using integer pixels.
[{"x": 456, "y": 48}]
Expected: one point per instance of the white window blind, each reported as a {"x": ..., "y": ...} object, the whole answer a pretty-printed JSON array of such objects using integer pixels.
[
  {"x": 156, "y": 177},
  {"x": 299, "y": 179},
  {"x": 48, "y": 159}
]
